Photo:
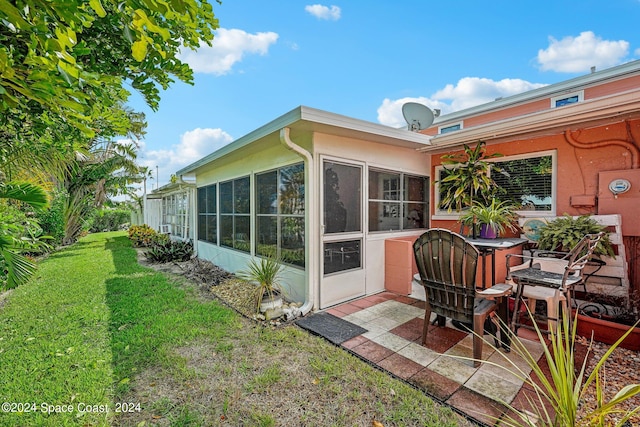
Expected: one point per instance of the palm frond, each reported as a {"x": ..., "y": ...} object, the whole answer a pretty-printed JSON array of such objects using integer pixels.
[
  {"x": 19, "y": 268},
  {"x": 26, "y": 192}
]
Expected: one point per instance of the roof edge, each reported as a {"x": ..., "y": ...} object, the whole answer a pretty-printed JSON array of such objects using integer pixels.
[
  {"x": 547, "y": 90},
  {"x": 311, "y": 115}
]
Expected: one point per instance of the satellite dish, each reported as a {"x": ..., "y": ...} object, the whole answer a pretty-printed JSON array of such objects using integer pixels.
[{"x": 418, "y": 116}]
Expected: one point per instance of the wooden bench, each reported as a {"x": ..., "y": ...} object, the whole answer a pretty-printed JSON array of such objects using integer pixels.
[{"x": 612, "y": 278}]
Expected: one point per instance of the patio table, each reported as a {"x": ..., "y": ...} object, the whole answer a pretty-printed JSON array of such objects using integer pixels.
[{"x": 489, "y": 247}]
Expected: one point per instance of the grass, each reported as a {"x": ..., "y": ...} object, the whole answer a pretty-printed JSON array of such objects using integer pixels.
[{"x": 96, "y": 328}]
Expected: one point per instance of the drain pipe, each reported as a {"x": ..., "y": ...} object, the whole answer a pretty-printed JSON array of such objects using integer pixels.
[
  {"x": 635, "y": 152},
  {"x": 310, "y": 214}
]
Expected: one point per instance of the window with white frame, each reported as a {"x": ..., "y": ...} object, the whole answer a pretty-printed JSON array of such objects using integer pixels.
[
  {"x": 450, "y": 128},
  {"x": 397, "y": 201},
  {"x": 174, "y": 214},
  {"x": 527, "y": 179},
  {"x": 567, "y": 99},
  {"x": 280, "y": 214}
]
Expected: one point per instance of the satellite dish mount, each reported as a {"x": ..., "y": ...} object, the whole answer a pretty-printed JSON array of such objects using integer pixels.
[{"x": 417, "y": 116}]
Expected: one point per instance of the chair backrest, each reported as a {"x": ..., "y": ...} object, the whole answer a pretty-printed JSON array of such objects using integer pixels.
[
  {"x": 447, "y": 264},
  {"x": 580, "y": 254}
]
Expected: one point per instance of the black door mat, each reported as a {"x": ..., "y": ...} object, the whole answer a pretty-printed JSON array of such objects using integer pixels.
[{"x": 330, "y": 327}]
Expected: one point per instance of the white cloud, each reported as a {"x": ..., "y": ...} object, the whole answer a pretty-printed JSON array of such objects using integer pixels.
[
  {"x": 579, "y": 54},
  {"x": 468, "y": 92},
  {"x": 229, "y": 47},
  {"x": 320, "y": 11},
  {"x": 194, "y": 145}
]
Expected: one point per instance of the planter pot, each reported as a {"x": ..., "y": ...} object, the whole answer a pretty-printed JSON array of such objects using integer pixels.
[
  {"x": 486, "y": 232},
  {"x": 270, "y": 302},
  {"x": 608, "y": 332}
]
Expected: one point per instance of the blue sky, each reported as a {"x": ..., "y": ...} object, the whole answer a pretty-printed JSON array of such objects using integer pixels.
[{"x": 364, "y": 59}]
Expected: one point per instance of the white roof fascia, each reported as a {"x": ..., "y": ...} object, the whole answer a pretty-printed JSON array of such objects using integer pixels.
[
  {"x": 345, "y": 122},
  {"x": 567, "y": 116},
  {"x": 328, "y": 122},
  {"x": 171, "y": 187},
  {"x": 571, "y": 85}
]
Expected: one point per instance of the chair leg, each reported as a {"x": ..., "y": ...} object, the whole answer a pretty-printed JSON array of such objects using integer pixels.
[
  {"x": 478, "y": 332},
  {"x": 427, "y": 320},
  {"x": 552, "y": 313}
]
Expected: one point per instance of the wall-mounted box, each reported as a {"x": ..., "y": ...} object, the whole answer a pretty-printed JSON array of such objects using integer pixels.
[
  {"x": 626, "y": 204},
  {"x": 583, "y": 201}
]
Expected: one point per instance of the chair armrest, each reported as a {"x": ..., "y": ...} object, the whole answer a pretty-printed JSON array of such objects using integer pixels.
[
  {"x": 496, "y": 291},
  {"x": 551, "y": 254},
  {"x": 523, "y": 264}
]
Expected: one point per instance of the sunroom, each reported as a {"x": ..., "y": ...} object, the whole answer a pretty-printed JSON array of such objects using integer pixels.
[{"x": 320, "y": 191}]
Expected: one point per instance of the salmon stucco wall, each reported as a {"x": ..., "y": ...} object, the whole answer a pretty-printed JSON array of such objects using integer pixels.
[{"x": 602, "y": 148}]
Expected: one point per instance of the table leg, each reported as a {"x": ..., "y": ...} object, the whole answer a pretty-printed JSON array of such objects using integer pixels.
[{"x": 484, "y": 269}]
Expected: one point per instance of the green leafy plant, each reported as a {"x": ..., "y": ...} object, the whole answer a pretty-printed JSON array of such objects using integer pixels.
[
  {"x": 51, "y": 219},
  {"x": 566, "y": 384},
  {"x": 466, "y": 177},
  {"x": 170, "y": 251},
  {"x": 15, "y": 267},
  {"x": 564, "y": 232},
  {"x": 497, "y": 215},
  {"x": 266, "y": 274},
  {"x": 109, "y": 220},
  {"x": 145, "y": 236}
]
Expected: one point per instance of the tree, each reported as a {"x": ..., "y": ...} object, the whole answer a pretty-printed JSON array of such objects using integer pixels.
[
  {"x": 105, "y": 170},
  {"x": 61, "y": 59},
  {"x": 64, "y": 66}
]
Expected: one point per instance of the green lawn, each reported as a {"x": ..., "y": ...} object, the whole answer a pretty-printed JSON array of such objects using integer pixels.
[{"x": 94, "y": 331}]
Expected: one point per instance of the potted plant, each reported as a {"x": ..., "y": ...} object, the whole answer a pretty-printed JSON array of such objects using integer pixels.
[
  {"x": 466, "y": 178},
  {"x": 266, "y": 275},
  {"x": 564, "y": 232},
  {"x": 604, "y": 317},
  {"x": 493, "y": 218}
]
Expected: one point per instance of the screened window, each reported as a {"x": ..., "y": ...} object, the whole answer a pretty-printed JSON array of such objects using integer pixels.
[
  {"x": 526, "y": 180},
  {"x": 342, "y": 198},
  {"x": 207, "y": 214},
  {"x": 342, "y": 256},
  {"x": 280, "y": 214},
  {"x": 397, "y": 201},
  {"x": 235, "y": 220}
]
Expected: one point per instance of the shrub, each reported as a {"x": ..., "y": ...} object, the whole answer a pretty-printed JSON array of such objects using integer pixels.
[
  {"x": 145, "y": 236},
  {"x": 170, "y": 251},
  {"x": 109, "y": 220},
  {"x": 52, "y": 219}
]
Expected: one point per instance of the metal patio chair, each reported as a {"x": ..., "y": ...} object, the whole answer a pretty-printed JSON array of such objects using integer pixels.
[
  {"x": 447, "y": 265},
  {"x": 549, "y": 279}
]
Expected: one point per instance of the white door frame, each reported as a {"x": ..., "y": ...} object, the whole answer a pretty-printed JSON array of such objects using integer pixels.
[{"x": 347, "y": 284}]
